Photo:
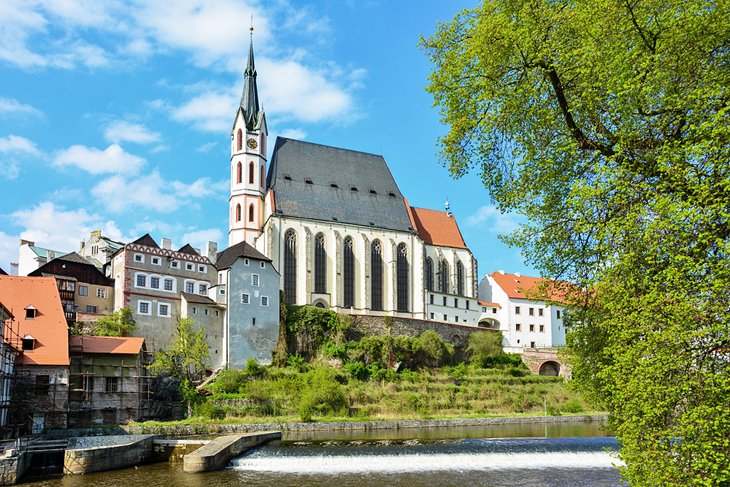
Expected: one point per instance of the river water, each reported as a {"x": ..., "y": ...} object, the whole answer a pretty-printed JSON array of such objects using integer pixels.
[{"x": 542, "y": 455}]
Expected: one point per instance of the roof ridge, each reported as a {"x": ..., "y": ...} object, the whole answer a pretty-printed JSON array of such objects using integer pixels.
[{"x": 330, "y": 146}]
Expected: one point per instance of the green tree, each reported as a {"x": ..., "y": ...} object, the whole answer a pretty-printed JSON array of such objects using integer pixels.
[
  {"x": 186, "y": 360},
  {"x": 118, "y": 324},
  {"x": 607, "y": 124}
]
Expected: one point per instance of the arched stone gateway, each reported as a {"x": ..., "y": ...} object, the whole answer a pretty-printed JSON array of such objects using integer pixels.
[
  {"x": 490, "y": 323},
  {"x": 550, "y": 368}
]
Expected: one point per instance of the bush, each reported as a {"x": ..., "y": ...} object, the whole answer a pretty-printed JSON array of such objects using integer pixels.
[
  {"x": 434, "y": 351},
  {"x": 356, "y": 370},
  {"x": 228, "y": 382},
  {"x": 296, "y": 362},
  {"x": 571, "y": 406},
  {"x": 322, "y": 394},
  {"x": 209, "y": 410},
  {"x": 254, "y": 369},
  {"x": 484, "y": 345}
]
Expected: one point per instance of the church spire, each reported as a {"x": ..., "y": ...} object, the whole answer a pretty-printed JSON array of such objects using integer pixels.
[{"x": 250, "y": 96}]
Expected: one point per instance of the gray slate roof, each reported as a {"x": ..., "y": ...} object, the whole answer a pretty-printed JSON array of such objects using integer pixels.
[
  {"x": 302, "y": 175},
  {"x": 199, "y": 298},
  {"x": 226, "y": 258}
]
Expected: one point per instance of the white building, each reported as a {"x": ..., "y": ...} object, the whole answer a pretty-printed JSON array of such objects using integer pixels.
[
  {"x": 31, "y": 257},
  {"x": 524, "y": 309}
]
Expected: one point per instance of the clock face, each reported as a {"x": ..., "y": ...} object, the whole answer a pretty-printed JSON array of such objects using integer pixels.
[{"x": 252, "y": 144}]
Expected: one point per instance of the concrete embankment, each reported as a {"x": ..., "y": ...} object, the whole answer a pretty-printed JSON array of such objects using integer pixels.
[
  {"x": 213, "y": 429},
  {"x": 216, "y": 454},
  {"x": 99, "y": 453}
]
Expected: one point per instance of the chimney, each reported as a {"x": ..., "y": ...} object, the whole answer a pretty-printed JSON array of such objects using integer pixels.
[
  {"x": 501, "y": 271},
  {"x": 211, "y": 251},
  {"x": 166, "y": 243},
  {"x": 13, "y": 268},
  {"x": 518, "y": 274},
  {"x": 81, "y": 246}
]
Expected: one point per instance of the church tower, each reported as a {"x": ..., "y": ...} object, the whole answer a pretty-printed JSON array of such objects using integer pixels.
[{"x": 248, "y": 162}]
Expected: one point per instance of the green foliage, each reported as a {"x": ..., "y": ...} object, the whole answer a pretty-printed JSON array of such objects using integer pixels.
[
  {"x": 485, "y": 350},
  {"x": 253, "y": 368},
  {"x": 118, "y": 324},
  {"x": 435, "y": 351},
  {"x": 297, "y": 362},
  {"x": 209, "y": 410},
  {"x": 228, "y": 381},
  {"x": 356, "y": 370},
  {"x": 308, "y": 328},
  {"x": 322, "y": 395},
  {"x": 606, "y": 124}
]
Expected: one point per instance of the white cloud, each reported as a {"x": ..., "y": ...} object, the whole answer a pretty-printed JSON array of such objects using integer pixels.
[
  {"x": 13, "y": 106},
  {"x": 205, "y": 148},
  {"x": 121, "y": 131},
  {"x": 212, "y": 111},
  {"x": 294, "y": 134},
  {"x": 198, "y": 238},
  {"x": 490, "y": 216},
  {"x": 113, "y": 159},
  {"x": 18, "y": 145},
  {"x": 8, "y": 250}
]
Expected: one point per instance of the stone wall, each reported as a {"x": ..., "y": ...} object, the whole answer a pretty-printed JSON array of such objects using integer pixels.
[
  {"x": 545, "y": 361},
  {"x": 99, "y": 453},
  {"x": 12, "y": 467}
]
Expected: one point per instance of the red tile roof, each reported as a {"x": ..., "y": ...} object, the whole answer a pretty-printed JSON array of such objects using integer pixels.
[
  {"x": 114, "y": 345},
  {"x": 49, "y": 327},
  {"x": 491, "y": 305},
  {"x": 525, "y": 287},
  {"x": 436, "y": 227}
]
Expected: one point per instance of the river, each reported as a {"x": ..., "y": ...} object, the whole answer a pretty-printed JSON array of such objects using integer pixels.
[{"x": 532, "y": 455}]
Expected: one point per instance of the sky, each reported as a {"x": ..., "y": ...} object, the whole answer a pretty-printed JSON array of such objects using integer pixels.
[{"x": 116, "y": 115}]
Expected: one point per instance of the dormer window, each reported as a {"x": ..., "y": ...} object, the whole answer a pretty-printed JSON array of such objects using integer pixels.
[
  {"x": 28, "y": 342},
  {"x": 353, "y": 188},
  {"x": 334, "y": 185},
  {"x": 391, "y": 194},
  {"x": 287, "y": 177},
  {"x": 30, "y": 312},
  {"x": 372, "y": 191},
  {"x": 308, "y": 181}
]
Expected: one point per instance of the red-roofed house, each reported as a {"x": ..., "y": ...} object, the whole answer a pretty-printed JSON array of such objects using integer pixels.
[{"x": 528, "y": 315}]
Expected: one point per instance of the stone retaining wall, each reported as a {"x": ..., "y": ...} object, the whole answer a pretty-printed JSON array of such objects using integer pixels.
[
  {"x": 362, "y": 325},
  {"x": 12, "y": 468},
  {"x": 99, "y": 453}
]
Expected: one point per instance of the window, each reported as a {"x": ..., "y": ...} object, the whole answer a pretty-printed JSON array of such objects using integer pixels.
[
  {"x": 353, "y": 189},
  {"x": 372, "y": 191},
  {"x": 155, "y": 282},
  {"x": 532, "y": 311},
  {"x": 484, "y": 310},
  {"x": 532, "y": 344},
  {"x": 459, "y": 278},
  {"x": 287, "y": 177},
  {"x": 444, "y": 276},
  {"x": 518, "y": 327},
  {"x": 30, "y": 313},
  {"x": 175, "y": 264},
  {"x": 189, "y": 266},
  {"x": 376, "y": 280},
  {"x": 91, "y": 309},
  {"x": 467, "y": 304},
  {"x": 111, "y": 385},
  {"x": 202, "y": 288},
  {"x": 238, "y": 213},
  {"x": 195, "y": 310},
  {"x": 290, "y": 266},
  {"x": 239, "y": 173},
  {"x": 261, "y": 177},
  {"x": 308, "y": 181},
  {"x": 138, "y": 258},
  {"x": 202, "y": 268},
  {"x": 250, "y": 213},
  {"x": 429, "y": 274},
  {"x": 206, "y": 311},
  {"x": 245, "y": 261},
  {"x": 83, "y": 290},
  {"x": 320, "y": 264},
  {"x": 245, "y": 298},
  {"x": 253, "y": 322},
  {"x": 517, "y": 310},
  {"x": 402, "y": 277},
  {"x": 540, "y": 311},
  {"x": 168, "y": 284},
  {"x": 163, "y": 309},
  {"x": 42, "y": 385},
  {"x": 28, "y": 342},
  {"x": 87, "y": 384},
  {"x": 156, "y": 261},
  {"x": 446, "y": 318},
  {"x": 431, "y": 315},
  {"x": 542, "y": 328},
  {"x": 334, "y": 185},
  {"x": 456, "y": 302},
  {"x": 444, "y": 298},
  {"x": 254, "y": 280},
  {"x": 94, "y": 250},
  {"x": 264, "y": 300},
  {"x": 250, "y": 173},
  {"x": 262, "y": 264},
  {"x": 430, "y": 298},
  {"x": 189, "y": 287},
  {"x": 143, "y": 307},
  {"x": 239, "y": 140},
  {"x": 141, "y": 280},
  {"x": 558, "y": 314},
  {"x": 532, "y": 327},
  {"x": 494, "y": 311},
  {"x": 349, "y": 274},
  {"x": 70, "y": 286}
]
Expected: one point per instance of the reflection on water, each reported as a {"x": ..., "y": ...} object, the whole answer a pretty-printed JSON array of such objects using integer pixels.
[{"x": 444, "y": 456}]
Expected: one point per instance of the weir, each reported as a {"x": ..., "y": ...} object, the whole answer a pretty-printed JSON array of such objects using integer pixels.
[{"x": 216, "y": 454}]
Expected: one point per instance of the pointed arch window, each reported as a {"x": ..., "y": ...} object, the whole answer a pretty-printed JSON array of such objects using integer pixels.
[
  {"x": 320, "y": 264},
  {"x": 238, "y": 213},
  {"x": 429, "y": 274},
  {"x": 290, "y": 266},
  {"x": 349, "y": 268},
  {"x": 239, "y": 173},
  {"x": 239, "y": 140},
  {"x": 402, "y": 277},
  {"x": 250, "y": 213},
  {"x": 459, "y": 278},
  {"x": 376, "y": 278},
  {"x": 250, "y": 173},
  {"x": 443, "y": 276},
  {"x": 261, "y": 177}
]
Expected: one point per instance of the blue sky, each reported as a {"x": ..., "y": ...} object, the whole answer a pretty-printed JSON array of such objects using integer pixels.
[{"x": 117, "y": 115}]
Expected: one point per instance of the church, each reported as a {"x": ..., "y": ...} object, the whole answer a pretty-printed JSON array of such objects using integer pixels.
[{"x": 338, "y": 229}]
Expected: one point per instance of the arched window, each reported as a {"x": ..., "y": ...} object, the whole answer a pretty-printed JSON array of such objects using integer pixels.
[
  {"x": 459, "y": 278},
  {"x": 443, "y": 276},
  {"x": 239, "y": 173},
  {"x": 238, "y": 213},
  {"x": 320, "y": 265},
  {"x": 250, "y": 173},
  {"x": 349, "y": 268},
  {"x": 250, "y": 213},
  {"x": 402, "y": 277},
  {"x": 261, "y": 178},
  {"x": 376, "y": 271},
  {"x": 263, "y": 145},
  {"x": 429, "y": 274},
  {"x": 290, "y": 266},
  {"x": 239, "y": 140}
]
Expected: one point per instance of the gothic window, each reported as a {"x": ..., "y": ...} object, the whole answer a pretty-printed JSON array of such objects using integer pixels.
[
  {"x": 290, "y": 266},
  {"x": 429, "y": 274},
  {"x": 349, "y": 265},
  {"x": 250, "y": 173},
  {"x": 402, "y": 277},
  {"x": 376, "y": 271},
  {"x": 459, "y": 278},
  {"x": 320, "y": 265},
  {"x": 238, "y": 213},
  {"x": 261, "y": 178},
  {"x": 250, "y": 213},
  {"x": 239, "y": 140},
  {"x": 443, "y": 276},
  {"x": 239, "y": 173}
]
